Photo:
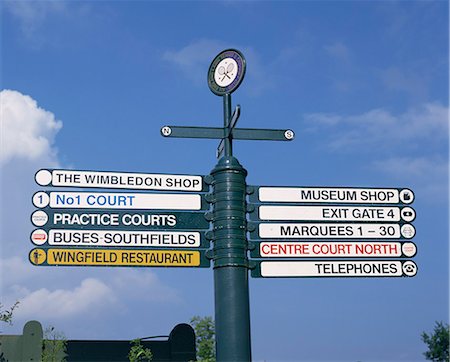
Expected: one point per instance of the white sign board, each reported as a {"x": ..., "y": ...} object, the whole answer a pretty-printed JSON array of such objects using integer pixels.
[
  {"x": 119, "y": 180},
  {"x": 335, "y": 195},
  {"x": 335, "y": 249},
  {"x": 336, "y": 213},
  {"x": 83, "y": 238},
  {"x": 337, "y": 268},
  {"x": 102, "y": 200},
  {"x": 335, "y": 231}
]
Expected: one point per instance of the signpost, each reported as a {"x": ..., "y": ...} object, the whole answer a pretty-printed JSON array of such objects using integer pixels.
[
  {"x": 122, "y": 257},
  {"x": 118, "y": 200},
  {"x": 119, "y": 180},
  {"x": 332, "y": 231},
  {"x": 122, "y": 238},
  {"x": 354, "y": 268},
  {"x": 342, "y": 195},
  {"x": 334, "y": 249},
  {"x": 119, "y": 219},
  {"x": 335, "y": 213},
  {"x": 295, "y": 232}
]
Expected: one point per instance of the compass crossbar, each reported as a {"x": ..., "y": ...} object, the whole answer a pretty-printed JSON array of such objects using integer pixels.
[
  {"x": 193, "y": 132},
  {"x": 261, "y": 134}
]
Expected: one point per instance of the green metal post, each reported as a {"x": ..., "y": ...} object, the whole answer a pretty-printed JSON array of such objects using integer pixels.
[
  {"x": 226, "y": 119},
  {"x": 232, "y": 311}
]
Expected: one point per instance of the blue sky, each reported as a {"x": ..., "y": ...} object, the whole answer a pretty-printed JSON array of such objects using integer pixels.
[{"x": 364, "y": 84}]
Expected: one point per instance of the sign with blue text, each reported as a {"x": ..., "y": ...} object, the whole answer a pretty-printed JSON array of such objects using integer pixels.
[{"x": 118, "y": 200}]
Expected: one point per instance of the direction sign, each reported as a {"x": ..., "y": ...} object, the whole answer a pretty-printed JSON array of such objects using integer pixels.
[
  {"x": 119, "y": 219},
  {"x": 237, "y": 133},
  {"x": 342, "y": 195},
  {"x": 122, "y": 238},
  {"x": 334, "y": 213},
  {"x": 335, "y": 249},
  {"x": 119, "y": 180},
  {"x": 332, "y": 231},
  {"x": 354, "y": 268},
  {"x": 118, "y": 200},
  {"x": 120, "y": 257}
]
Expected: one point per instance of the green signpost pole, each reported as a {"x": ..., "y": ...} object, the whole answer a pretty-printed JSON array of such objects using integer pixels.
[
  {"x": 232, "y": 309},
  {"x": 229, "y": 223}
]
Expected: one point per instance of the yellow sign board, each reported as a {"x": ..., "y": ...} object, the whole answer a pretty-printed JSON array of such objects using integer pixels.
[{"x": 122, "y": 257}]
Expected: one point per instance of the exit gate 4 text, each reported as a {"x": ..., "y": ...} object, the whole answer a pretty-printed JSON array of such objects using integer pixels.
[{"x": 334, "y": 213}]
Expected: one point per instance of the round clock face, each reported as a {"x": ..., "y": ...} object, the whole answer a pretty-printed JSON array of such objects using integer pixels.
[{"x": 226, "y": 72}]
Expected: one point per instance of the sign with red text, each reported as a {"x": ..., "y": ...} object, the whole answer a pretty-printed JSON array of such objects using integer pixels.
[{"x": 335, "y": 249}]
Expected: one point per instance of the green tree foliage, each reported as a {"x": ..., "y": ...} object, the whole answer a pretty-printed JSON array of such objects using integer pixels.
[
  {"x": 438, "y": 343},
  {"x": 205, "y": 333},
  {"x": 7, "y": 314},
  {"x": 138, "y": 353},
  {"x": 54, "y": 346}
]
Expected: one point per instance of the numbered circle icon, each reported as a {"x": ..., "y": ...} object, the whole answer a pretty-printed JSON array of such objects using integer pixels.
[
  {"x": 41, "y": 199},
  {"x": 409, "y": 249},
  {"x": 409, "y": 268},
  {"x": 37, "y": 256},
  {"x": 406, "y": 196},
  {"x": 408, "y": 214},
  {"x": 43, "y": 177},
  {"x": 39, "y": 218},
  {"x": 408, "y": 231},
  {"x": 39, "y": 237}
]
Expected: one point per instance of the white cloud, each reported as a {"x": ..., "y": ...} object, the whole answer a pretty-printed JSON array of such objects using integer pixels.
[
  {"x": 413, "y": 167},
  {"x": 92, "y": 295},
  {"x": 27, "y": 131},
  {"x": 428, "y": 122},
  {"x": 32, "y": 14},
  {"x": 428, "y": 173},
  {"x": 194, "y": 58},
  {"x": 411, "y": 146},
  {"x": 338, "y": 50},
  {"x": 17, "y": 270},
  {"x": 150, "y": 287}
]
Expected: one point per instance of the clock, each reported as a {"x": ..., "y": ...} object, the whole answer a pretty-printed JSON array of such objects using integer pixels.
[{"x": 226, "y": 72}]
